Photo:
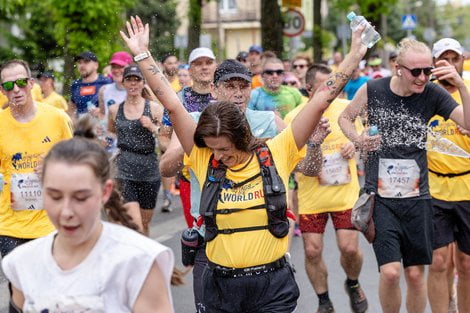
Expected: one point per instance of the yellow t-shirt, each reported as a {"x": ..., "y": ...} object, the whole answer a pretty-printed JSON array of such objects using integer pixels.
[
  {"x": 56, "y": 100},
  {"x": 36, "y": 92},
  {"x": 256, "y": 81},
  {"x": 446, "y": 188},
  {"x": 175, "y": 85},
  {"x": 250, "y": 248},
  {"x": 3, "y": 100},
  {"x": 316, "y": 196},
  {"x": 18, "y": 159}
]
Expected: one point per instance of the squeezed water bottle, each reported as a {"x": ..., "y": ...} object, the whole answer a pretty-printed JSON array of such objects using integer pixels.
[{"x": 369, "y": 36}]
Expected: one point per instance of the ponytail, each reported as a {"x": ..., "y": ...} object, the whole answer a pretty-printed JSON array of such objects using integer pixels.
[{"x": 116, "y": 212}]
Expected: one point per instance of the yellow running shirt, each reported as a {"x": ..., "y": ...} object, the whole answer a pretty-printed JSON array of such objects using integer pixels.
[
  {"x": 446, "y": 188},
  {"x": 56, "y": 100},
  {"x": 317, "y": 195},
  {"x": 250, "y": 248},
  {"x": 22, "y": 146}
]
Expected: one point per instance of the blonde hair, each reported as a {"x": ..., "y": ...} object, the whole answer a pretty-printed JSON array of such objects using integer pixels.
[{"x": 407, "y": 44}]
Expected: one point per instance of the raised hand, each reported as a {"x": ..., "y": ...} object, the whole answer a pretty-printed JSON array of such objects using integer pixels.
[
  {"x": 356, "y": 43},
  {"x": 138, "y": 35},
  {"x": 445, "y": 71}
]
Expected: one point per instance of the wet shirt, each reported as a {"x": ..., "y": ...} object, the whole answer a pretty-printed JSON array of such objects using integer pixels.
[
  {"x": 21, "y": 211},
  {"x": 443, "y": 187},
  {"x": 137, "y": 159},
  {"x": 337, "y": 186},
  {"x": 250, "y": 248},
  {"x": 402, "y": 122},
  {"x": 192, "y": 102},
  {"x": 83, "y": 94},
  {"x": 283, "y": 101}
]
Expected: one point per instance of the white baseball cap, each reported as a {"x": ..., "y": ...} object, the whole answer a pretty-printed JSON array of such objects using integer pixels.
[
  {"x": 446, "y": 44},
  {"x": 199, "y": 53}
]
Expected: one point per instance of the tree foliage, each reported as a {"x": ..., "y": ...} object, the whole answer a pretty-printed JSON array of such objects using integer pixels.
[{"x": 161, "y": 15}]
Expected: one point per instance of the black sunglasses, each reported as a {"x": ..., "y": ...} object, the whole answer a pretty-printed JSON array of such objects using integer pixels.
[
  {"x": 271, "y": 72},
  {"x": 417, "y": 71},
  {"x": 20, "y": 82},
  {"x": 290, "y": 83}
]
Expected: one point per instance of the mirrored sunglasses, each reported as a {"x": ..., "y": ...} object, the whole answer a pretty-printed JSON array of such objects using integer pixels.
[{"x": 20, "y": 82}]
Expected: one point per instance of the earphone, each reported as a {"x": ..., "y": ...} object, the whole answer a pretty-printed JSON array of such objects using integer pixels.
[{"x": 399, "y": 72}]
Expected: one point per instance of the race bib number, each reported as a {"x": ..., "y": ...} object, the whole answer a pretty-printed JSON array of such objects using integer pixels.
[
  {"x": 26, "y": 192},
  {"x": 66, "y": 304},
  {"x": 398, "y": 178},
  {"x": 335, "y": 170}
]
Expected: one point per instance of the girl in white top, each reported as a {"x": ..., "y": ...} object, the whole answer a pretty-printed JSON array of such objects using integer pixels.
[{"x": 87, "y": 265}]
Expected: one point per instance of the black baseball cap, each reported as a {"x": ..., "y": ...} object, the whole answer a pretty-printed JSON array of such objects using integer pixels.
[
  {"x": 87, "y": 55},
  {"x": 242, "y": 55},
  {"x": 46, "y": 74},
  {"x": 229, "y": 69},
  {"x": 133, "y": 70}
]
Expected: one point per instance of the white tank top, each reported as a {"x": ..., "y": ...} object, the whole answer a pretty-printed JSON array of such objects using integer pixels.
[{"x": 112, "y": 95}]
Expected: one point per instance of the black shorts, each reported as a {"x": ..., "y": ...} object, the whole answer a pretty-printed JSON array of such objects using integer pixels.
[
  {"x": 140, "y": 191},
  {"x": 273, "y": 292},
  {"x": 452, "y": 223},
  {"x": 404, "y": 231}
]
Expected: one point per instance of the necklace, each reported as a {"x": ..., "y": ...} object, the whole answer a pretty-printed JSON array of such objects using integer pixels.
[{"x": 244, "y": 166}]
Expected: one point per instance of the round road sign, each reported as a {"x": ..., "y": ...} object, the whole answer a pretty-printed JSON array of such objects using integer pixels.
[{"x": 294, "y": 24}]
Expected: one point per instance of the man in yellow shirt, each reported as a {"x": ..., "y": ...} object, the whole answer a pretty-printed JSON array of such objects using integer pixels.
[
  {"x": 331, "y": 193},
  {"x": 449, "y": 182},
  {"x": 36, "y": 128},
  {"x": 170, "y": 69},
  {"x": 46, "y": 82}
]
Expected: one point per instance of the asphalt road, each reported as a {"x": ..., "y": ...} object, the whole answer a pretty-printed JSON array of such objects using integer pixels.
[{"x": 167, "y": 227}]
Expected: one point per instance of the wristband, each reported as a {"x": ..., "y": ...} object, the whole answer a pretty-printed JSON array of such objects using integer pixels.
[{"x": 142, "y": 56}]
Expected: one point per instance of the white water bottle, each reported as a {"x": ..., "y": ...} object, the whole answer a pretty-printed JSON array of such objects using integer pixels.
[{"x": 369, "y": 36}]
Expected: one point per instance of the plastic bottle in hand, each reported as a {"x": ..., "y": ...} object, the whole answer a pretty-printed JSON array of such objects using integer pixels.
[
  {"x": 369, "y": 36},
  {"x": 373, "y": 130}
]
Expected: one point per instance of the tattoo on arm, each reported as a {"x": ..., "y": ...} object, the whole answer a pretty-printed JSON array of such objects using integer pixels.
[
  {"x": 335, "y": 84},
  {"x": 154, "y": 70},
  {"x": 158, "y": 92}
]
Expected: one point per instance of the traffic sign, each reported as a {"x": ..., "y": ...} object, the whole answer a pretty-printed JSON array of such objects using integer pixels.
[
  {"x": 291, "y": 3},
  {"x": 409, "y": 21},
  {"x": 294, "y": 24}
]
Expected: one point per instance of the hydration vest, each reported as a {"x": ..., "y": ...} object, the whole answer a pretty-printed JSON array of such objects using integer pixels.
[{"x": 274, "y": 197}]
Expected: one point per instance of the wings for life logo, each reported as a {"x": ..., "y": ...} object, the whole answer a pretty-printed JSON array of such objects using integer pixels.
[{"x": 22, "y": 161}]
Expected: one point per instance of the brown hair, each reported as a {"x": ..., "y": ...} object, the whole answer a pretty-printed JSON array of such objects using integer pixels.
[
  {"x": 83, "y": 149},
  {"x": 313, "y": 70},
  {"x": 14, "y": 62},
  {"x": 225, "y": 119},
  {"x": 303, "y": 57}
]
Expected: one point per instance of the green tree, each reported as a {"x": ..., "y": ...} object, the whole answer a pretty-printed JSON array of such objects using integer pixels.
[
  {"x": 271, "y": 27},
  {"x": 161, "y": 15},
  {"x": 87, "y": 25}
]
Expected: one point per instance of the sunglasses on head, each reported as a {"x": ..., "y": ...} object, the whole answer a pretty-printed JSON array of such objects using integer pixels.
[
  {"x": 271, "y": 72},
  {"x": 290, "y": 83},
  {"x": 20, "y": 82},
  {"x": 417, "y": 71},
  {"x": 301, "y": 66}
]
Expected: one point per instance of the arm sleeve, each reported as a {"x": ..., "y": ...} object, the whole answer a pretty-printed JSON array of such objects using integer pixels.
[{"x": 285, "y": 152}]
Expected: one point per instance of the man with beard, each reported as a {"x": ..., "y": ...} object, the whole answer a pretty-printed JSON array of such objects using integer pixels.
[
  {"x": 84, "y": 91},
  {"x": 195, "y": 98},
  {"x": 396, "y": 167},
  {"x": 449, "y": 183},
  {"x": 170, "y": 70}
]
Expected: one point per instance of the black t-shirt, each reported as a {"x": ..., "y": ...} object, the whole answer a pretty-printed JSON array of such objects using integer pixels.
[{"x": 402, "y": 122}]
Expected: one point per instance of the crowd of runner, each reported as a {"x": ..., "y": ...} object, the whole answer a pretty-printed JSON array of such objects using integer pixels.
[{"x": 259, "y": 149}]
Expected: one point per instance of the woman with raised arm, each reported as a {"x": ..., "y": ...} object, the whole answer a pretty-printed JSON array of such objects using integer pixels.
[
  {"x": 87, "y": 265},
  {"x": 243, "y": 199}
]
